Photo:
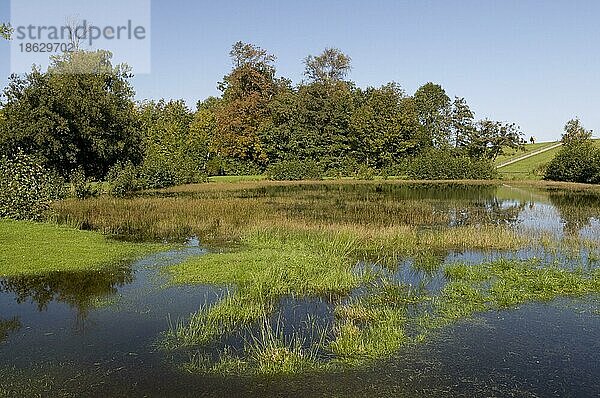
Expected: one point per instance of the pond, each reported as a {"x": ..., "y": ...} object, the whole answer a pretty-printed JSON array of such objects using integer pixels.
[{"x": 102, "y": 333}]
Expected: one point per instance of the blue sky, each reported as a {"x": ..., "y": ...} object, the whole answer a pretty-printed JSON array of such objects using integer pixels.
[{"x": 535, "y": 63}]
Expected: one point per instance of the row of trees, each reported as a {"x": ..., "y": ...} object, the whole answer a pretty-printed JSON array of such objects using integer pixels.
[
  {"x": 262, "y": 119},
  {"x": 80, "y": 115}
]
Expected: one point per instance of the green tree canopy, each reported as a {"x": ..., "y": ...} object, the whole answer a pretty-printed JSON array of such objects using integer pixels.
[
  {"x": 489, "y": 139},
  {"x": 575, "y": 133},
  {"x": 579, "y": 158},
  {"x": 462, "y": 122},
  {"x": 383, "y": 126},
  {"x": 434, "y": 111},
  {"x": 79, "y": 113},
  {"x": 329, "y": 66}
]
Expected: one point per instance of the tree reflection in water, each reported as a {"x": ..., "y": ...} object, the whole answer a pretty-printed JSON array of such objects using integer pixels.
[
  {"x": 80, "y": 290},
  {"x": 7, "y": 326},
  {"x": 577, "y": 209}
]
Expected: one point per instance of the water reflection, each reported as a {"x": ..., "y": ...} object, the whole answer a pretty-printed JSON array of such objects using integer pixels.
[
  {"x": 7, "y": 326},
  {"x": 578, "y": 211},
  {"x": 79, "y": 290}
]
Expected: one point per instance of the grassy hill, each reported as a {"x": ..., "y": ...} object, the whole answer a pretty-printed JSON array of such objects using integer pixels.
[
  {"x": 515, "y": 154},
  {"x": 530, "y": 168}
]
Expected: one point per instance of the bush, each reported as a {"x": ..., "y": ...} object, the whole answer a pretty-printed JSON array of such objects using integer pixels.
[
  {"x": 26, "y": 188},
  {"x": 365, "y": 172},
  {"x": 294, "y": 170},
  {"x": 189, "y": 173},
  {"x": 575, "y": 162},
  {"x": 399, "y": 169},
  {"x": 338, "y": 168},
  {"x": 156, "y": 175},
  {"x": 80, "y": 187},
  {"x": 234, "y": 167},
  {"x": 449, "y": 165},
  {"x": 164, "y": 174},
  {"x": 123, "y": 180}
]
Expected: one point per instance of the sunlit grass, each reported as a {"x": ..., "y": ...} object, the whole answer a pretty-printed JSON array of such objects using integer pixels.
[
  {"x": 224, "y": 212},
  {"x": 267, "y": 351},
  {"x": 505, "y": 284},
  {"x": 33, "y": 248}
]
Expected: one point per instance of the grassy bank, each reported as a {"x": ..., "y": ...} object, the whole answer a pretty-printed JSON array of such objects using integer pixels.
[
  {"x": 33, "y": 248},
  {"x": 532, "y": 168}
]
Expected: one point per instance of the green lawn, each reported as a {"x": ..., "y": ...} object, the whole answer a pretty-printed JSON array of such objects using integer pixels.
[
  {"x": 512, "y": 154},
  {"x": 28, "y": 248},
  {"x": 526, "y": 168},
  {"x": 530, "y": 168}
]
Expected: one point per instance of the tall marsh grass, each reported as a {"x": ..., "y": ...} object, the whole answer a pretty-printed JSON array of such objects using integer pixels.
[{"x": 224, "y": 212}]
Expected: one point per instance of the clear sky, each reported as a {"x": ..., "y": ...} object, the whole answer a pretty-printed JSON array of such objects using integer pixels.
[{"x": 536, "y": 63}]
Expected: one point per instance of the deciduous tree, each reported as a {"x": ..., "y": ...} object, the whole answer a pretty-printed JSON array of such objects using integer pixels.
[
  {"x": 575, "y": 133},
  {"x": 462, "y": 122},
  {"x": 489, "y": 139},
  {"x": 329, "y": 66},
  {"x": 434, "y": 111},
  {"x": 247, "y": 91},
  {"x": 79, "y": 113}
]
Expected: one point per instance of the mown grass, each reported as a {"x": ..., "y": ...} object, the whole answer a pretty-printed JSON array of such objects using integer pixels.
[
  {"x": 531, "y": 168},
  {"x": 512, "y": 154},
  {"x": 28, "y": 248}
]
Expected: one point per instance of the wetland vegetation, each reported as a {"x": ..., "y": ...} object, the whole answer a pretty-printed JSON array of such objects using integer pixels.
[
  {"x": 297, "y": 278},
  {"x": 374, "y": 254}
]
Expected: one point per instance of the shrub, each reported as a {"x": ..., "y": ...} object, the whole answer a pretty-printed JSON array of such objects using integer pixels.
[
  {"x": 398, "y": 169},
  {"x": 234, "y": 167},
  {"x": 576, "y": 162},
  {"x": 80, "y": 187},
  {"x": 26, "y": 188},
  {"x": 365, "y": 172},
  {"x": 189, "y": 173},
  {"x": 338, "y": 168},
  {"x": 540, "y": 170},
  {"x": 214, "y": 166},
  {"x": 449, "y": 165},
  {"x": 156, "y": 175},
  {"x": 168, "y": 173},
  {"x": 123, "y": 180},
  {"x": 294, "y": 170}
]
